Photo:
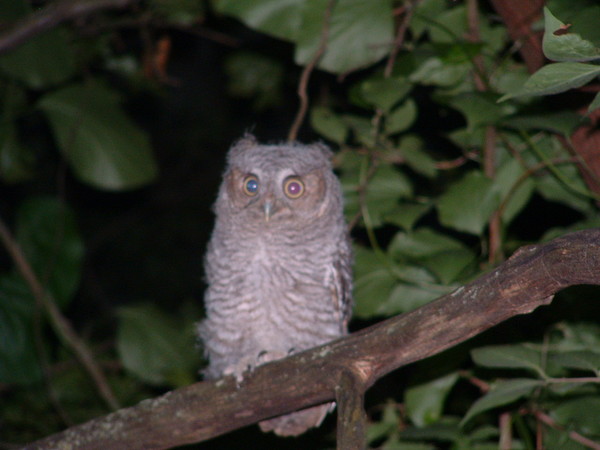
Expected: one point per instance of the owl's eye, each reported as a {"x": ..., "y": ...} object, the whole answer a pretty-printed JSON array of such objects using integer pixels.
[
  {"x": 293, "y": 187},
  {"x": 250, "y": 185}
]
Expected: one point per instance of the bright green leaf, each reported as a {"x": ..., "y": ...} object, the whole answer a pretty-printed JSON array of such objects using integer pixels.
[
  {"x": 425, "y": 402},
  {"x": 102, "y": 145},
  {"x": 559, "y": 44},
  {"x": 502, "y": 393},
  {"x": 556, "y": 78},
  {"x": 468, "y": 204}
]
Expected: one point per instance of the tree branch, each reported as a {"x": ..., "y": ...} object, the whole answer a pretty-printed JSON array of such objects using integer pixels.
[
  {"x": 52, "y": 16},
  {"x": 201, "y": 411}
]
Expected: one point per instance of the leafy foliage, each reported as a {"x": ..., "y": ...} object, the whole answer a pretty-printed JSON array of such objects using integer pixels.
[{"x": 451, "y": 156}]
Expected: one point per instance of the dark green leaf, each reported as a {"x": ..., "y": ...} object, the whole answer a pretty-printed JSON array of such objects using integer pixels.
[
  {"x": 153, "y": 346},
  {"x": 42, "y": 61},
  {"x": 406, "y": 214},
  {"x": 280, "y": 18},
  {"x": 563, "y": 122},
  {"x": 256, "y": 77},
  {"x": 595, "y": 103},
  {"x": 328, "y": 124},
  {"x": 502, "y": 393},
  {"x": 479, "y": 109},
  {"x": 102, "y": 145},
  {"x": 373, "y": 283},
  {"x": 581, "y": 360},
  {"x": 509, "y": 357},
  {"x": 425, "y": 402},
  {"x": 581, "y": 414},
  {"x": 48, "y": 234},
  {"x": 18, "y": 354},
  {"x": 385, "y": 93},
  {"x": 181, "y": 12},
  {"x": 416, "y": 157},
  {"x": 559, "y": 44},
  {"x": 401, "y": 118},
  {"x": 514, "y": 190},
  {"x": 468, "y": 204},
  {"x": 357, "y": 34},
  {"x": 404, "y": 297}
]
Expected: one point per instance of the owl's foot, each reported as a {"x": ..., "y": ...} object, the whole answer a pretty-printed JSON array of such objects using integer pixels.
[
  {"x": 298, "y": 422},
  {"x": 248, "y": 363}
]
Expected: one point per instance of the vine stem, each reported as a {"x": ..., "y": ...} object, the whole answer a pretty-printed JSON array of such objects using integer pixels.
[
  {"x": 60, "y": 324},
  {"x": 306, "y": 73}
]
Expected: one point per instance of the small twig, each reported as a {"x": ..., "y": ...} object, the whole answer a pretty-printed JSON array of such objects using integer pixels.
[
  {"x": 408, "y": 10},
  {"x": 60, "y": 324},
  {"x": 53, "y": 15},
  {"x": 303, "y": 84},
  {"x": 549, "y": 421}
]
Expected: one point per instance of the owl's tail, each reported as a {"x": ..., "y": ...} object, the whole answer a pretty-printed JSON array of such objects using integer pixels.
[{"x": 298, "y": 422}]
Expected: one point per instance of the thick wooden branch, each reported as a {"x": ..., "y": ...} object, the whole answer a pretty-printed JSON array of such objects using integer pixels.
[
  {"x": 201, "y": 411},
  {"x": 52, "y": 16}
]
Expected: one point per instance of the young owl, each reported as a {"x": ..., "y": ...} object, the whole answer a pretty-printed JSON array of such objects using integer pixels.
[{"x": 278, "y": 264}]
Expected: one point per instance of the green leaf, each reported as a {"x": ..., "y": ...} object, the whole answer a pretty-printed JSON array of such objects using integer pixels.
[
  {"x": 328, "y": 124},
  {"x": 445, "y": 257},
  {"x": 413, "y": 151},
  {"x": 468, "y": 204},
  {"x": 556, "y": 78},
  {"x": 373, "y": 282},
  {"x": 401, "y": 118},
  {"x": 385, "y": 93},
  {"x": 595, "y": 104},
  {"x": 563, "y": 122},
  {"x": 181, "y": 12},
  {"x": 48, "y": 235},
  {"x": 18, "y": 352},
  {"x": 559, "y": 44},
  {"x": 280, "y": 18},
  {"x": 580, "y": 414},
  {"x": 153, "y": 346},
  {"x": 581, "y": 360},
  {"x": 357, "y": 35},
  {"x": 406, "y": 214},
  {"x": 434, "y": 71},
  {"x": 256, "y": 77},
  {"x": 404, "y": 297},
  {"x": 502, "y": 393},
  {"x": 42, "y": 61},
  {"x": 102, "y": 145},
  {"x": 509, "y": 357},
  {"x": 505, "y": 182},
  {"x": 425, "y": 402},
  {"x": 479, "y": 109},
  {"x": 383, "y": 191}
]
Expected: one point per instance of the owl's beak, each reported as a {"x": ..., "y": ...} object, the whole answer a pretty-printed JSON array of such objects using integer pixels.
[{"x": 269, "y": 210}]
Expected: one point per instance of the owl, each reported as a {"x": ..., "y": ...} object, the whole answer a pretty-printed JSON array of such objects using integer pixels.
[{"x": 278, "y": 264}]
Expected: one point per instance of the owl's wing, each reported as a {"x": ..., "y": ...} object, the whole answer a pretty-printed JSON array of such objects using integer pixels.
[{"x": 341, "y": 283}]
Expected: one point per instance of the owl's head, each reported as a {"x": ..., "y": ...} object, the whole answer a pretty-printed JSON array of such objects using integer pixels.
[{"x": 267, "y": 185}]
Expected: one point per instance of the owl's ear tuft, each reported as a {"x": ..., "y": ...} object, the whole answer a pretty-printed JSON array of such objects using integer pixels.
[
  {"x": 324, "y": 149},
  {"x": 246, "y": 142}
]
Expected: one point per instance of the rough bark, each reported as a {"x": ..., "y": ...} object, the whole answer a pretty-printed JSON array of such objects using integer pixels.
[{"x": 201, "y": 411}]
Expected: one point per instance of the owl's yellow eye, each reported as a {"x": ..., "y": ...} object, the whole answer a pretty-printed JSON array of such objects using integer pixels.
[
  {"x": 293, "y": 187},
  {"x": 250, "y": 185}
]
